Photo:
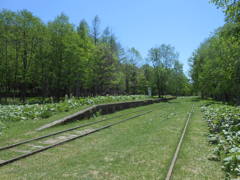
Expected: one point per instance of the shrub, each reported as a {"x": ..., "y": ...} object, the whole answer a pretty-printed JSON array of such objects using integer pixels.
[{"x": 224, "y": 126}]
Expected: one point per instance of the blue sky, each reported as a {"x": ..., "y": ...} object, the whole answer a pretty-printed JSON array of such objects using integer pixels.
[{"x": 137, "y": 23}]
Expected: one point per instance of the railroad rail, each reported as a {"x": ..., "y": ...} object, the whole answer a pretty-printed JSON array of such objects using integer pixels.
[
  {"x": 63, "y": 131},
  {"x": 5, "y": 162},
  {"x": 174, "y": 159}
]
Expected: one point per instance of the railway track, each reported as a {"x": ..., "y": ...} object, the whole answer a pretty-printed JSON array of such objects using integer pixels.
[
  {"x": 63, "y": 131},
  {"x": 68, "y": 139},
  {"x": 175, "y": 156},
  {"x": 92, "y": 131}
]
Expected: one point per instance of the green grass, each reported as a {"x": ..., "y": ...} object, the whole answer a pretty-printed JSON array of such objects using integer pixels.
[
  {"x": 193, "y": 163},
  {"x": 26, "y": 129},
  {"x": 141, "y": 148},
  {"x": 10, "y": 114}
]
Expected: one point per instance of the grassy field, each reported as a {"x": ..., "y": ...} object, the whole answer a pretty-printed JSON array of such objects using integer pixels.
[
  {"x": 141, "y": 148},
  {"x": 193, "y": 160}
]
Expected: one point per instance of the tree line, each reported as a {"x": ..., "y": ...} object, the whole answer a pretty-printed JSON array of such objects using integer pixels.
[
  {"x": 59, "y": 58},
  {"x": 215, "y": 65}
]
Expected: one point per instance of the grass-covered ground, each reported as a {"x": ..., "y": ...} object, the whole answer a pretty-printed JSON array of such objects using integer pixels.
[
  {"x": 193, "y": 163},
  {"x": 141, "y": 148},
  {"x": 42, "y": 113}
]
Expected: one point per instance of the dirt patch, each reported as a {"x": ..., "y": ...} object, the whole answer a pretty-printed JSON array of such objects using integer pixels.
[
  {"x": 66, "y": 137},
  {"x": 51, "y": 141},
  {"x": 21, "y": 151},
  {"x": 83, "y": 131},
  {"x": 35, "y": 146}
]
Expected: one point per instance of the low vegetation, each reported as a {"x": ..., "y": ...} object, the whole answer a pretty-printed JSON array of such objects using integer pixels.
[
  {"x": 224, "y": 126},
  {"x": 13, "y": 113}
]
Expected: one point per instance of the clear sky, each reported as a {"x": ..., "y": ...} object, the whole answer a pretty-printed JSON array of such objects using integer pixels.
[{"x": 137, "y": 23}]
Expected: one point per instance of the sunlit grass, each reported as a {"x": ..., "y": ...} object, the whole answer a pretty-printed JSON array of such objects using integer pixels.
[
  {"x": 193, "y": 163},
  {"x": 141, "y": 148}
]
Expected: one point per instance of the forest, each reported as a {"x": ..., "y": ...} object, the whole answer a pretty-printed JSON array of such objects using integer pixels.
[
  {"x": 57, "y": 58},
  {"x": 215, "y": 65}
]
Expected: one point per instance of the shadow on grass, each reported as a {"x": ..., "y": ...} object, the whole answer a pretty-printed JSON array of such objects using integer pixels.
[
  {"x": 196, "y": 99},
  {"x": 173, "y": 102}
]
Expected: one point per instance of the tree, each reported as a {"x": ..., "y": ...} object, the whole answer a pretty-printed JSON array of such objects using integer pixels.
[
  {"x": 231, "y": 9},
  {"x": 162, "y": 58},
  {"x": 95, "y": 29},
  {"x": 215, "y": 65},
  {"x": 60, "y": 57},
  {"x": 7, "y": 36},
  {"x": 57, "y": 58},
  {"x": 130, "y": 61},
  {"x": 85, "y": 79}
]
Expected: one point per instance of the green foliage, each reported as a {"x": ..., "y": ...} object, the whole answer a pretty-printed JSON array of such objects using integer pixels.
[
  {"x": 168, "y": 71},
  {"x": 231, "y": 9},
  {"x": 224, "y": 125},
  {"x": 57, "y": 58},
  {"x": 54, "y": 59},
  {"x": 12, "y": 113},
  {"x": 215, "y": 65},
  {"x": 215, "y": 73}
]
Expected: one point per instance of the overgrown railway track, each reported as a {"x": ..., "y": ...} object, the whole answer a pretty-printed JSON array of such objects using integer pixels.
[
  {"x": 92, "y": 131},
  {"x": 63, "y": 131},
  {"x": 70, "y": 138},
  {"x": 175, "y": 156}
]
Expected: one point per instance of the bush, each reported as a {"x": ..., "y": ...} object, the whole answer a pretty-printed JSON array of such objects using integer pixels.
[
  {"x": 224, "y": 126},
  {"x": 37, "y": 111}
]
